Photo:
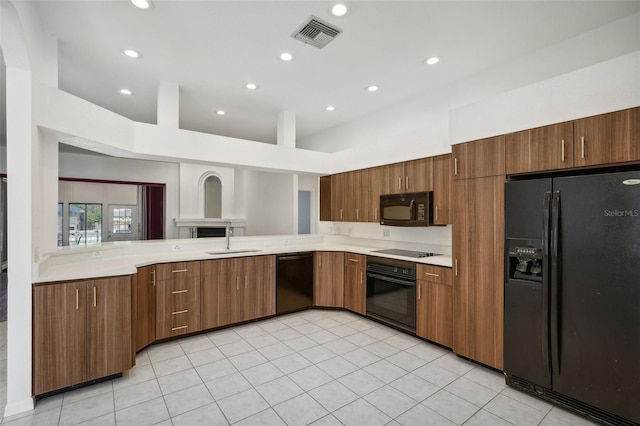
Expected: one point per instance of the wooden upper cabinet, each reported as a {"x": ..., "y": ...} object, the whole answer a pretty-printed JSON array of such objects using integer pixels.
[
  {"x": 418, "y": 175},
  {"x": 325, "y": 198},
  {"x": 543, "y": 148},
  {"x": 484, "y": 157},
  {"x": 337, "y": 197},
  {"x": 375, "y": 184},
  {"x": 360, "y": 196},
  {"x": 392, "y": 179},
  {"x": 607, "y": 138},
  {"x": 442, "y": 177}
]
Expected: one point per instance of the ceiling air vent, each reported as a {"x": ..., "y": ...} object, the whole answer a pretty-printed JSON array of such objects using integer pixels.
[{"x": 316, "y": 33}]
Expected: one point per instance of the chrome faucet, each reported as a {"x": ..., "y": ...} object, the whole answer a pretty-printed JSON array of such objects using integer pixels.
[{"x": 227, "y": 234}]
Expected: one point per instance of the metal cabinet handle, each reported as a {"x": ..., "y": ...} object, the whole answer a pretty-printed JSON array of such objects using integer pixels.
[
  {"x": 432, "y": 275},
  {"x": 180, "y": 312},
  {"x": 237, "y": 285},
  {"x": 95, "y": 297},
  {"x": 406, "y": 178},
  {"x": 455, "y": 166},
  {"x": 436, "y": 218},
  {"x": 245, "y": 281},
  {"x": 179, "y": 328},
  {"x": 179, "y": 291},
  {"x": 456, "y": 267},
  {"x": 361, "y": 277},
  {"x": 582, "y": 143},
  {"x": 77, "y": 298},
  {"x": 375, "y": 216},
  {"x": 319, "y": 260},
  {"x": 353, "y": 260},
  {"x": 179, "y": 270},
  {"x": 563, "y": 150},
  {"x": 399, "y": 182},
  {"x": 153, "y": 277},
  {"x": 419, "y": 286},
  {"x": 340, "y": 213},
  {"x": 357, "y": 214}
]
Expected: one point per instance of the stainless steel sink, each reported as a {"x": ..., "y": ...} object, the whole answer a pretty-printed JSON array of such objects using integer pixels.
[{"x": 233, "y": 251}]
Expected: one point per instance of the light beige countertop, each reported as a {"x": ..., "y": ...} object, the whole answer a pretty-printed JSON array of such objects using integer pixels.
[{"x": 113, "y": 259}]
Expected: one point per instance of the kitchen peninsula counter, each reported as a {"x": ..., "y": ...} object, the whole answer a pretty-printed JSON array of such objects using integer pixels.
[{"x": 123, "y": 258}]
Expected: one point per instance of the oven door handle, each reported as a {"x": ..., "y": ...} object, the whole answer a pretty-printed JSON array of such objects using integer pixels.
[{"x": 392, "y": 280}]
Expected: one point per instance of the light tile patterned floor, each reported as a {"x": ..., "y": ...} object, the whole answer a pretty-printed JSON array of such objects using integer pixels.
[{"x": 314, "y": 367}]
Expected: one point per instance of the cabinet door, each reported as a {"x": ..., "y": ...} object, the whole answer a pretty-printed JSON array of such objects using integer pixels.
[
  {"x": 442, "y": 189},
  {"x": 260, "y": 286},
  {"x": 484, "y": 157},
  {"x": 214, "y": 279},
  {"x": 543, "y": 148},
  {"x": 361, "y": 195},
  {"x": 434, "y": 312},
  {"x": 145, "y": 312},
  {"x": 325, "y": 198},
  {"x": 229, "y": 302},
  {"x": 328, "y": 282},
  {"x": 108, "y": 304},
  {"x": 478, "y": 243},
  {"x": 59, "y": 338},
  {"x": 393, "y": 179},
  {"x": 375, "y": 182},
  {"x": 608, "y": 138},
  {"x": 338, "y": 196},
  {"x": 355, "y": 282},
  {"x": 418, "y": 175}
]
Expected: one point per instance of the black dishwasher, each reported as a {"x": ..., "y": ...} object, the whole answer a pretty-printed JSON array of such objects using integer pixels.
[{"x": 294, "y": 282}]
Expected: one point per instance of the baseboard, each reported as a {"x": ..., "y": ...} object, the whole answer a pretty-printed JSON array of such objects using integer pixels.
[{"x": 18, "y": 407}]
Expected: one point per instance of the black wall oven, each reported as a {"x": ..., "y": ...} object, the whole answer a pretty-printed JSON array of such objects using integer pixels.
[{"x": 391, "y": 293}]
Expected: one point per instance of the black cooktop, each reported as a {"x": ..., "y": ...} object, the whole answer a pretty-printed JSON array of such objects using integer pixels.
[{"x": 406, "y": 253}]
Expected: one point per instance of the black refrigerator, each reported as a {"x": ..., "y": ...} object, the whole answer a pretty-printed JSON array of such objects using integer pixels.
[{"x": 572, "y": 292}]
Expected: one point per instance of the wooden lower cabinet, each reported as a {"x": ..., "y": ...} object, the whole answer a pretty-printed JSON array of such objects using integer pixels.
[
  {"x": 145, "y": 307},
  {"x": 328, "y": 279},
  {"x": 81, "y": 332},
  {"x": 238, "y": 289},
  {"x": 177, "y": 299},
  {"x": 478, "y": 269},
  {"x": 434, "y": 311},
  {"x": 355, "y": 282}
]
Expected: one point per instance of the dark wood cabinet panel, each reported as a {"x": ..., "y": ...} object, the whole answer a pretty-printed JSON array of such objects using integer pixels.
[
  {"x": 434, "y": 314},
  {"x": 442, "y": 178},
  {"x": 325, "y": 198},
  {"x": 108, "y": 320},
  {"x": 608, "y": 138},
  {"x": 542, "y": 148},
  {"x": 81, "y": 332},
  {"x": 328, "y": 281},
  {"x": 145, "y": 308},
  {"x": 355, "y": 267},
  {"x": 375, "y": 189},
  {"x": 484, "y": 157},
  {"x": 214, "y": 293},
  {"x": 478, "y": 242}
]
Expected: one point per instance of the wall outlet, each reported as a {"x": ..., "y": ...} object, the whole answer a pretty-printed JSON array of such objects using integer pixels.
[
  {"x": 96, "y": 254},
  {"x": 385, "y": 233},
  {"x": 177, "y": 247}
]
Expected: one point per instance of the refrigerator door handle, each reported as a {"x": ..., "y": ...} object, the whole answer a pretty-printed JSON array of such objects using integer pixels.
[
  {"x": 554, "y": 323},
  {"x": 545, "y": 281}
]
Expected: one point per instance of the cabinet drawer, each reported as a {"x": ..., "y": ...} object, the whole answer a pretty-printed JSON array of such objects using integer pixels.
[
  {"x": 351, "y": 259},
  {"x": 436, "y": 274},
  {"x": 178, "y": 270}
]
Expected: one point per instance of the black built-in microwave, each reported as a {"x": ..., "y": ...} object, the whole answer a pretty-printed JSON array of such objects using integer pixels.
[{"x": 410, "y": 209}]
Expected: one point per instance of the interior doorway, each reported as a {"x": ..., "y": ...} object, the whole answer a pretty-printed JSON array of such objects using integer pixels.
[
  {"x": 123, "y": 223},
  {"x": 304, "y": 212}
]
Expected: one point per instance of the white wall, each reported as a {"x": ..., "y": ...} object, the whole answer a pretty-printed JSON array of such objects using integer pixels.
[
  {"x": 123, "y": 169},
  {"x": 311, "y": 183},
  {"x": 270, "y": 203}
]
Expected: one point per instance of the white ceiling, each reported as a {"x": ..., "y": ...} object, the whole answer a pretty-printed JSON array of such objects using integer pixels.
[{"x": 211, "y": 49}]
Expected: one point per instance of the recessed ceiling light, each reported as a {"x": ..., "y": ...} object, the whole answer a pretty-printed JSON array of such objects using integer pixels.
[
  {"x": 125, "y": 92},
  {"x": 142, "y": 4},
  {"x": 220, "y": 112},
  {"x": 339, "y": 9},
  {"x": 286, "y": 56},
  {"x": 132, "y": 53},
  {"x": 251, "y": 86},
  {"x": 432, "y": 60},
  {"x": 330, "y": 108},
  {"x": 372, "y": 88}
]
